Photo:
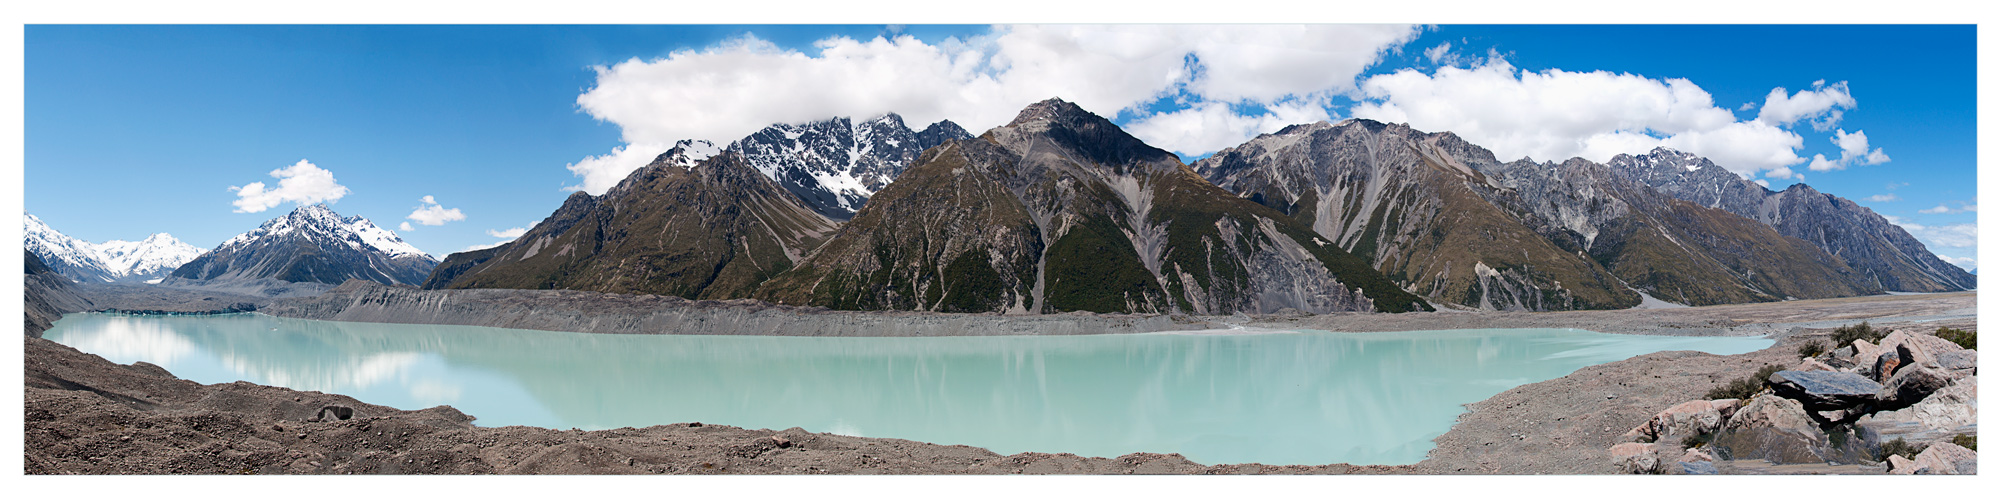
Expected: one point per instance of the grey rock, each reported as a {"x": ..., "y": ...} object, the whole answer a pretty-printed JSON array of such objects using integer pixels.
[
  {"x": 1953, "y": 410},
  {"x": 1886, "y": 365},
  {"x": 1698, "y": 468},
  {"x": 1775, "y": 429},
  {"x": 1963, "y": 360},
  {"x": 1637, "y": 459},
  {"x": 1946, "y": 459},
  {"x": 1824, "y": 390},
  {"x": 1909, "y": 386}
]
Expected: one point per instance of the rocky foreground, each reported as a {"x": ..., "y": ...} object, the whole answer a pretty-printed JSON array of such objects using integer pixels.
[{"x": 1908, "y": 401}]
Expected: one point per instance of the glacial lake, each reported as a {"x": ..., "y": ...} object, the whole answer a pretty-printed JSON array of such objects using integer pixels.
[{"x": 1275, "y": 397}]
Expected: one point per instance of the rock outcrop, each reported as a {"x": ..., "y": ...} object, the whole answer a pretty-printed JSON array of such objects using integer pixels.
[{"x": 47, "y": 295}]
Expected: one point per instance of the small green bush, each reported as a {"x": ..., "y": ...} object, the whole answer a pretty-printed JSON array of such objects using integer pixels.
[
  {"x": 1964, "y": 441},
  {"x": 1812, "y": 348},
  {"x": 1898, "y": 447},
  {"x": 1965, "y": 339},
  {"x": 1848, "y": 334},
  {"x": 1744, "y": 388}
]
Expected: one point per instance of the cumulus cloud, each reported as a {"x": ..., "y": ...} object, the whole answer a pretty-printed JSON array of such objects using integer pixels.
[
  {"x": 1211, "y": 126},
  {"x": 1821, "y": 104},
  {"x": 1966, "y": 235},
  {"x": 1884, "y": 198},
  {"x": 729, "y": 90},
  {"x": 511, "y": 233},
  {"x": 302, "y": 183},
  {"x": 405, "y": 227},
  {"x": 1555, "y": 115},
  {"x": 430, "y": 213},
  {"x": 1854, "y": 150},
  {"x": 600, "y": 173}
]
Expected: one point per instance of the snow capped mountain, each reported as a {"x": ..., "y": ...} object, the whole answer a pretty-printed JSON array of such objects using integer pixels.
[
  {"x": 314, "y": 244},
  {"x": 835, "y": 165},
  {"x": 146, "y": 260}
]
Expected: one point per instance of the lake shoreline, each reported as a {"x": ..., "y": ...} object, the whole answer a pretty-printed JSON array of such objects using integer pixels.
[{"x": 1556, "y": 426}]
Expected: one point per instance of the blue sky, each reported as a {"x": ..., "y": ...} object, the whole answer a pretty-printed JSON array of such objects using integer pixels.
[{"x": 131, "y": 130}]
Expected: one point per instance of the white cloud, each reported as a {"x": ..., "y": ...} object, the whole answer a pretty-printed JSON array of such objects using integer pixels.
[
  {"x": 512, "y": 232},
  {"x": 430, "y": 213},
  {"x": 1883, "y": 198},
  {"x": 301, "y": 183},
  {"x": 405, "y": 227},
  {"x": 1821, "y": 104},
  {"x": 602, "y": 172},
  {"x": 724, "y": 92},
  {"x": 1936, "y": 210},
  {"x": 1854, "y": 149},
  {"x": 1441, "y": 54},
  {"x": 478, "y": 247},
  {"x": 1211, "y": 126},
  {"x": 1965, "y": 262},
  {"x": 1966, "y": 235},
  {"x": 1555, "y": 115}
]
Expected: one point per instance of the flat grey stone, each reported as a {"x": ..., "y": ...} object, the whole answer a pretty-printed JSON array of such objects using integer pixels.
[{"x": 1825, "y": 390}]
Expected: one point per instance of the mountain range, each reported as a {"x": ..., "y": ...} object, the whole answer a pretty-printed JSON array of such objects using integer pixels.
[
  {"x": 313, "y": 244},
  {"x": 145, "y": 260},
  {"x": 1060, "y": 210}
]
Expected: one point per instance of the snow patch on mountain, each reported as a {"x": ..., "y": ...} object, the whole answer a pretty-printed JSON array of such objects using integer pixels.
[{"x": 111, "y": 261}]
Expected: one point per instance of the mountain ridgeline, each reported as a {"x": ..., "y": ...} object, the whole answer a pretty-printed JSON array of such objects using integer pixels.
[
  {"x": 313, "y": 244},
  {"x": 1060, "y": 210}
]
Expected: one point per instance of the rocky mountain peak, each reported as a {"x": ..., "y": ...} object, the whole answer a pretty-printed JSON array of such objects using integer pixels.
[
  {"x": 313, "y": 244},
  {"x": 1051, "y": 110}
]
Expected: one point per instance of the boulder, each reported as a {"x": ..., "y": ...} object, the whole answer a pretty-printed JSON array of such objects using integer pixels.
[
  {"x": 1901, "y": 466},
  {"x": 1886, "y": 365},
  {"x": 1946, "y": 459},
  {"x": 1952, "y": 410},
  {"x": 1634, "y": 458},
  {"x": 1809, "y": 364},
  {"x": 1924, "y": 348},
  {"x": 1961, "y": 363},
  {"x": 1772, "y": 428},
  {"x": 1694, "y": 417},
  {"x": 1865, "y": 352},
  {"x": 1697, "y": 468},
  {"x": 1910, "y": 385},
  {"x": 1824, "y": 390}
]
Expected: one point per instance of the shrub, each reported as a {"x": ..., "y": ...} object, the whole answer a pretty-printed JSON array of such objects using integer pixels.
[
  {"x": 1744, "y": 388},
  {"x": 1848, "y": 334},
  {"x": 1964, "y": 441},
  {"x": 1812, "y": 348},
  {"x": 1965, "y": 339},
  {"x": 1898, "y": 447}
]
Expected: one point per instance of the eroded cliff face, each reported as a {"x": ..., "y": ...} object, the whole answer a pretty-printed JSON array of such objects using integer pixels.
[
  {"x": 47, "y": 295},
  {"x": 1417, "y": 207},
  {"x": 1867, "y": 242},
  {"x": 1061, "y": 211},
  {"x": 591, "y": 312},
  {"x": 713, "y": 230}
]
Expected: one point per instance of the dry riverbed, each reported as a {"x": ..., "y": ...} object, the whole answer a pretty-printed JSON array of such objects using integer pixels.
[{"x": 88, "y": 415}]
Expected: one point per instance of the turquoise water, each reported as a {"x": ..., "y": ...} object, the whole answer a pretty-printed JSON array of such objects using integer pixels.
[{"x": 1276, "y": 397}]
